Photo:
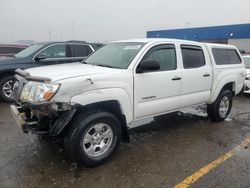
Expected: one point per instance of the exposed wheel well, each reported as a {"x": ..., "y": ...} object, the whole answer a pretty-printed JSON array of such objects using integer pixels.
[
  {"x": 6, "y": 73},
  {"x": 112, "y": 107},
  {"x": 229, "y": 86}
]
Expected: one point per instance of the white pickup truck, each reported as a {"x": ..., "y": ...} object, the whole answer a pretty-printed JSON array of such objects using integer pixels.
[{"x": 93, "y": 104}]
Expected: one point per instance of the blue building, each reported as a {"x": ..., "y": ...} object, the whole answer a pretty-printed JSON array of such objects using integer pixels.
[{"x": 238, "y": 35}]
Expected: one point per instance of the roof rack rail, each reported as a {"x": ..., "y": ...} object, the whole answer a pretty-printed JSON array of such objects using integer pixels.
[{"x": 76, "y": 41}]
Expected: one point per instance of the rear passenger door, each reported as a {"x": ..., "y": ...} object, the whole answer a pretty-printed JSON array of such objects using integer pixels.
[{"x": 197, "y": 75}]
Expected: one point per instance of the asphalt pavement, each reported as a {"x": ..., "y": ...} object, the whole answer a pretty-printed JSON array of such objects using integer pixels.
[{"x": 162, "y": 153}]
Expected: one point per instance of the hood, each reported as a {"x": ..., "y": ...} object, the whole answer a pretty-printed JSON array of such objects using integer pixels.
[
  {"x": 70, "y": 70},
  {"x": 11, "y": 61}
]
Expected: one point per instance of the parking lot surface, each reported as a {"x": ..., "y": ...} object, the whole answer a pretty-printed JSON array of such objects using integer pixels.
[{"x": 161, "y": 154}]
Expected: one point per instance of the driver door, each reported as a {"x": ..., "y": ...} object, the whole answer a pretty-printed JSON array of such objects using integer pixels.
[{"x": 158, "y": 91}]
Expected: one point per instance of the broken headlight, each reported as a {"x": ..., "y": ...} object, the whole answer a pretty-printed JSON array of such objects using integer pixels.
[{"x": 36, "y": 92}]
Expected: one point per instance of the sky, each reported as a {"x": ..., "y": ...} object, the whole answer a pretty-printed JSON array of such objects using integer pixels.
[{"x": 108, "y": 20}]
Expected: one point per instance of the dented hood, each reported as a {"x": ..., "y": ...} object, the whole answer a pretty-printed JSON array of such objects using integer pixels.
[{"x": 65, "y": 71}]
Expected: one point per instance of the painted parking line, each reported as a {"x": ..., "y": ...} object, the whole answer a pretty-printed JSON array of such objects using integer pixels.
[{"x": 204, "y": 170}]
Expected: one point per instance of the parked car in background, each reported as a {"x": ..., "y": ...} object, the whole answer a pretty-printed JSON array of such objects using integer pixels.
[
  {"x": 9, "y": 50},
  {"x": 4, "y": 58},
  {"x": 123, "y": 82},
  {"x": 42, "y": 54},
  {"x": 246, "y": 59}
]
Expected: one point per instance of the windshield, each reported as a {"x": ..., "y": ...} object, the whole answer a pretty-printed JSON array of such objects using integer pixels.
[
  {"x": 28, "y": 51},
  {"x": 247, "y": 62},
  {"x": 115, "y": 55}
]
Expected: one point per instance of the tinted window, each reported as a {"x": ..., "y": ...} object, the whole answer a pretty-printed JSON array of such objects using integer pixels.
[
  {"x": 164, "y": 55},
  {"x": 233, "y": 57},
  {"x": 54, "y": 51},
  {"x": 225, "y": 56},
  {"x": 76, "y": 50},
  {"x": 192, "y": 56},
  {"x": 96, "y": 46}
]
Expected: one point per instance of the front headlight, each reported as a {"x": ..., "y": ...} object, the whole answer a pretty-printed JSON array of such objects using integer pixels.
[{"x": 37, "y": 92}]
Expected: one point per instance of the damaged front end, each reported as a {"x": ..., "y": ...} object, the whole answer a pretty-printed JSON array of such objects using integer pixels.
[{"x": 45, "y": 118}]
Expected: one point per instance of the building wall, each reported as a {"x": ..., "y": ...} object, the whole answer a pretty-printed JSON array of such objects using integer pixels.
[
  {"x": 238, "y": 35},
  {"x": 242, "y": 44},
  {"x": 225, "y": 32}
]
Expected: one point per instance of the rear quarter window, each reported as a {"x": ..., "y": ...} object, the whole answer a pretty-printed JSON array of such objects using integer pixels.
[
  {"x": 225, "y": 56},
  {"x": 77, "y": 50}
]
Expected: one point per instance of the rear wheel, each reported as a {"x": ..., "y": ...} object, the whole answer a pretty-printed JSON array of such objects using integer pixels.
[
  {"x": 6, "y": 88},
  {"x": 93, "y": 138},
  {"x": 220, "y": 109}
]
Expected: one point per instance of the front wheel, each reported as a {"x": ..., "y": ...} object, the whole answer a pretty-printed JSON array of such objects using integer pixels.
[
  {"x": 92, "y": 139},
  {"x": 220, "y": 109},
  {"x": 6, "y": 88}
]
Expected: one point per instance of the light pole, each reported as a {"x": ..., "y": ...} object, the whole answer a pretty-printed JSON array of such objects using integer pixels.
[
  {"x": 73, "y": 30},
  {"x": 49, "y": 33},
  {"x": 61, "y": 36},
  {"x": 187, "y": 25}
]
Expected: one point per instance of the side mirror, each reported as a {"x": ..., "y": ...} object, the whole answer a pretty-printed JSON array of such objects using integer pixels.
[
  {"x": 39, "y": 57},
  {"x": 148, "y": 65}
]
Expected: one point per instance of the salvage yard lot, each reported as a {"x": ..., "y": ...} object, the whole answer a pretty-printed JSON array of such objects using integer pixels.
[{"x": 161, "y": 154}]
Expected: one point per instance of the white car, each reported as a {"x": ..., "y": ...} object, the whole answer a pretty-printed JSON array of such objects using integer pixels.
[
  {"x": 246, "y": 59},
  {"x": 93, "y": 104}
]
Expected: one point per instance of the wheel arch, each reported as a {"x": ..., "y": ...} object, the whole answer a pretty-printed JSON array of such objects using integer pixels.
[
  {"x": 111, "y": 106},
  {"x": 7, "y": 72},
  {"x": 229, "y": 85},
  {"x": 120, "y": 95}
]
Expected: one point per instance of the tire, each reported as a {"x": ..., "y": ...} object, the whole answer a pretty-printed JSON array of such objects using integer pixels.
[
  {"x": 6, "y": 88},
  {"x": 82, "y": 137},
  {"x": 224, "y": 103}
]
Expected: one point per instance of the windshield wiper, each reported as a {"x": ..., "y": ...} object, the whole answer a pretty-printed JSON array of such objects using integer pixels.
[{"x": 84, "y": 62}]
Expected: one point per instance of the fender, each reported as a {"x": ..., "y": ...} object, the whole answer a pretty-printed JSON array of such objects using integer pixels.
[
  {"x": 101, "y": 95},
  {"x": 7, "y": 72},
  {"x": 219, "y": 86}
]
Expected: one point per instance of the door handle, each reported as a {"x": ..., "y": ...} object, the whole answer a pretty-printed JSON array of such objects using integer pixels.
[
  {"x": 176, "y": 78},
  {"x": 206, "y": 75}
]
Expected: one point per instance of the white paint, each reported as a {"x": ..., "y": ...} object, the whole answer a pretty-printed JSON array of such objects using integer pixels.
[{"x": 147, "y": 94}]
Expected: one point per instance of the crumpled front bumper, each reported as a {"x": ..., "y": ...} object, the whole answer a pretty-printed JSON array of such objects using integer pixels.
[
  {"x": 19, "y": 117},
  {"x": 36, "y": 121},
  {"x": 48, "y": 118}
]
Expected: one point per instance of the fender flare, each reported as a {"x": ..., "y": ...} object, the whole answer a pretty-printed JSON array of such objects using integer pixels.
[
  {"x": 108, "y": 94},
  {"x": 222, "y": 83}
]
